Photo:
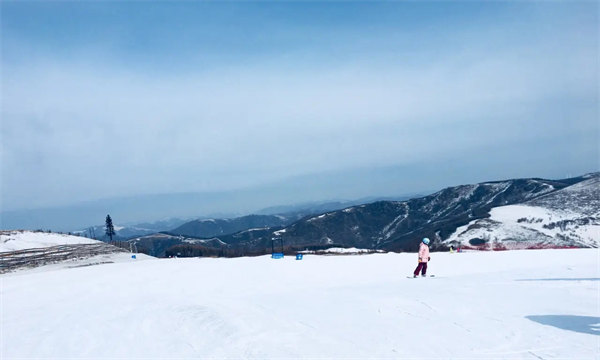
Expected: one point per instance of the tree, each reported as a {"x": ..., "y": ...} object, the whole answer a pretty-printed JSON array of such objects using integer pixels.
[{"x": 110, "y": 229}]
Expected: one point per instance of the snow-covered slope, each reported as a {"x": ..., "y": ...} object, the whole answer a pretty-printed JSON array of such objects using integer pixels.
[
  {"x": 534, "y": 304},
  {"x": 582, "y": 198},
  {"x": 341, "y": 251},
  {"x": 21, "y": 250},
  {"x": 568, "y": 217},
  {"x": 21, "y": 240}
]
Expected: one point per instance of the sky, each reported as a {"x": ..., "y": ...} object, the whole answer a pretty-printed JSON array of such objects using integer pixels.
[{"x": 108, "y": 99}]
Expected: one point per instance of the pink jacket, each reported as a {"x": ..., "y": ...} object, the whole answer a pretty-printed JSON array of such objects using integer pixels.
[{"x": 423, "y": 253}]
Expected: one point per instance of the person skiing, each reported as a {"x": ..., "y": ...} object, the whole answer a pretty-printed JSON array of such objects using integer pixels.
[{"x": 423, "y": 258}]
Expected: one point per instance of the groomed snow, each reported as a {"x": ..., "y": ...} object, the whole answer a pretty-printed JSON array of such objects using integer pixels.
[
  {"x": 21, "y": 240},
  {"x": 481, "y": 305}
]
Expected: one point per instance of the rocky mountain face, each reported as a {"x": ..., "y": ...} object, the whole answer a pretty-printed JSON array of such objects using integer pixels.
[{"x": 399, "y": 225}]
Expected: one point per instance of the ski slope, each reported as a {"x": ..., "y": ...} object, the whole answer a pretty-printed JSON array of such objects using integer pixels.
[
  {"x": 12, "y": 240},
  {"x": 530, "y": 304}
]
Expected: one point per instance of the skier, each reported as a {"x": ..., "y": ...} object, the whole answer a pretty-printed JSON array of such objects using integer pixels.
[{"x": 423, "y": 258}]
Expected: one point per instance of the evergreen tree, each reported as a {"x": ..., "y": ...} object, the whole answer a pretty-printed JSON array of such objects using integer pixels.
[{"x": 110, "y": 229}]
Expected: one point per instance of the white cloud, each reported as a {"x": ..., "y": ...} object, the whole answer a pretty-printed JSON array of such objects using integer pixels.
[{"x": 84, "y": 129}]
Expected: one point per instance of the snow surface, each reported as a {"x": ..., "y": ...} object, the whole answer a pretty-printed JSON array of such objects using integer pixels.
[
  {"x": 337, "y": 250},
  {"x": 254, "y": 229},
  {"x": 279, "y": 232},
  {"x": 21, "y": 240},
  {"x": 203, "y": 241},
  {"x": 481, "y": 305},
  {"x": 318, "y": 217},
  {"x": 84, "y": 262}
]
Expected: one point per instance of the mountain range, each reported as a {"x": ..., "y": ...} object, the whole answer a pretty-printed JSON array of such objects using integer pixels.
[
  {"x": 268, "y": 217},
  {"x": 468, "y": 215},
  {"x": 307, "y": 189}
]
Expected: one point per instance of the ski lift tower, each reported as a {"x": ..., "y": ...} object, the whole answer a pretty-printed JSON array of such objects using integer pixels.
[{"x": 277, "y": 255}]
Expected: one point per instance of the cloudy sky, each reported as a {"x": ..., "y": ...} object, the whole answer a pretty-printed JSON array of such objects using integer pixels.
[{"x": 106, "y": 99}]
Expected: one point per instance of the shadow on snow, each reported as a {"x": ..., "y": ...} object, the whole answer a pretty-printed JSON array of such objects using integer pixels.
[
  {"x": 581, "y": 324},
  {"x": 562, "y": 279}
]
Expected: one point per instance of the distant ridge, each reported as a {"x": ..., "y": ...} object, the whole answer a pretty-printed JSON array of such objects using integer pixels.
[{"x": 399, "y": 225}]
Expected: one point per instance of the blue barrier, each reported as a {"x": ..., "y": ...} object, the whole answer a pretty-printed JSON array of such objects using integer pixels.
[
  {"x": 298, "y": 256},
  {"x": 277, "y": 255},
  {"x": 133, "y": 257}
]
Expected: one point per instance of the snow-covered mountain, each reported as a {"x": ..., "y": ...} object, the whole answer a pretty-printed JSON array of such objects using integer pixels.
[
  {"x": 564, "y": 218},
  {"x": 400, "y": 225},
  {"x": 27, "y": 249}
]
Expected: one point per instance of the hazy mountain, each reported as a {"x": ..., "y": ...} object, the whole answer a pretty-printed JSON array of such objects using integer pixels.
[
  {"x": 318, "y": 207},
  {"x": 338, "y": 184},
  {"x": 128, "y": 231},
  {"x": 399, "y": 225},
  {"x": 281, "y": 216},
  {"x": 216, "y": 227}
]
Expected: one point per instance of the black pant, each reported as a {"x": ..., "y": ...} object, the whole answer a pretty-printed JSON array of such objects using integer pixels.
[{"x": 422, "y": 266}]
